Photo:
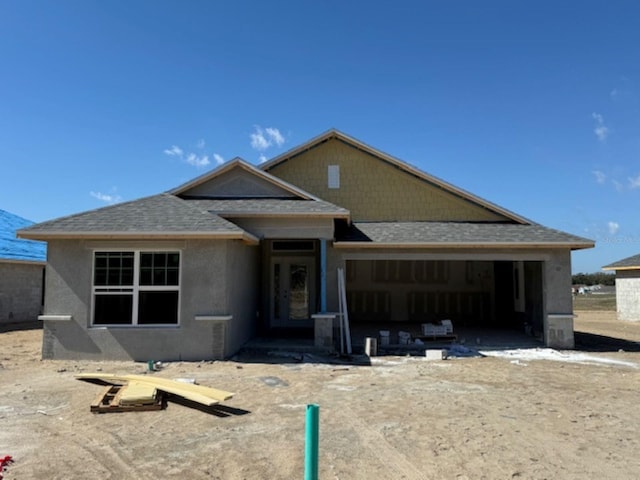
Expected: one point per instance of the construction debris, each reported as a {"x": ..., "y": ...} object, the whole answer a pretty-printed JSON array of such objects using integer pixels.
[
  {"x": 110, "y": 400},
  {"x": 141, "y": 392},
  {"x": 436, "y": 354}
]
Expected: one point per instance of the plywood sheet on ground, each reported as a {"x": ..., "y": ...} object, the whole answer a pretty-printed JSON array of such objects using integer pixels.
[{"x": 197, "y": 393}]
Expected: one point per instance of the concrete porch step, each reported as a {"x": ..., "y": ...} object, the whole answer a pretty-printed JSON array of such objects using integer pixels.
[{"x": 280, "y": 346}]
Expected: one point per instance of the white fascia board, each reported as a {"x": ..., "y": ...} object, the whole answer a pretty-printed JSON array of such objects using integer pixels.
[
  {"x": 23, "y": 262},
  {"x": 132, "y": 235},
  {"x": 484, "y": 245},
  {"x": 637, "y": 267}
]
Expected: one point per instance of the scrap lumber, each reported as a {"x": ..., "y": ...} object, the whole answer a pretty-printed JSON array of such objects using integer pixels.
[
  {"x": 137, "y": 393},
  {"x": 344, "y": 313},
  {"x": 204, "y": 395},
  {"x": 109, "y": 401}
]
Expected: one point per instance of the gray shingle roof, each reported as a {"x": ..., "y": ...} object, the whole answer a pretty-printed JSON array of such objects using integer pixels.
[
  {"x": 269, "y": 206},
  {"x": 454, "y": 233},
  {"x": 628, "y": 263},
  {"x": 160, "y": 215}
]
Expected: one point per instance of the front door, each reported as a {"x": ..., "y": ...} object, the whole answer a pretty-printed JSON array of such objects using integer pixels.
[{"x": 292, "y": 291}]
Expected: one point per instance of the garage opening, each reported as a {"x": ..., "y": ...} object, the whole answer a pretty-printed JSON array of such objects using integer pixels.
[{"x": 474, "y": 294}]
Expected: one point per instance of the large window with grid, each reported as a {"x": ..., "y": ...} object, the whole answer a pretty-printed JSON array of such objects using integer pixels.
[{"x": 136, "y": 288}]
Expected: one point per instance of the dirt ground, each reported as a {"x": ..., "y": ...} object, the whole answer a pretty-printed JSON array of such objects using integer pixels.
[{"x": 402, "y": 418}]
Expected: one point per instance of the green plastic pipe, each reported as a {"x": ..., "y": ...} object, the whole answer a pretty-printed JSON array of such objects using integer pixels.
[{"x": 311, "y": 443}]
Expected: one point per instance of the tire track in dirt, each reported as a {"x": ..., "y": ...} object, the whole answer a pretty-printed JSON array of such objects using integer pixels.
[
  {"x": 394, "y": 460},
  {"x": 112, "y": 460}
]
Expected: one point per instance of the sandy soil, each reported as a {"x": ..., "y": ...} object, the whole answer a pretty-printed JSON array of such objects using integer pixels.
[{"x": 403, "y": 418}]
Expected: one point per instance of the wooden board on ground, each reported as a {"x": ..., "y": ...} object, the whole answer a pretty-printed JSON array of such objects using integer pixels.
[
  {"x": 197, "y": 393},
  {"x": 109, "y": 402},
  {"x": 137, "y": 393}
]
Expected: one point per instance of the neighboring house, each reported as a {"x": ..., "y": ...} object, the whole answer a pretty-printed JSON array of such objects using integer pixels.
[
  {"x": 22, "y": 266},
  {"x": 195, "y": 272},
  {"x": 627, "y": 287}
]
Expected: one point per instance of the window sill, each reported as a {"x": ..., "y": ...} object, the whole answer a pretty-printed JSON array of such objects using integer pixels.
[
  {"x": 55, "y": 318},
  {"x": 111, "y": 327},
  {"x": 213, "y": 318}
]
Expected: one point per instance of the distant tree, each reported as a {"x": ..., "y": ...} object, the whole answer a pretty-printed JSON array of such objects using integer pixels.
[{"x": 598, "y": 278}]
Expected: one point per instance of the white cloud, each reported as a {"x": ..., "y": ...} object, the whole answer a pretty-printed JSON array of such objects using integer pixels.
[
  {"x": 174, "y": 151},
  {"x": 613, "y": 227},
  {"x": 275, "y": 136},
  {"x": 218, "y": 158},
  {"x": 261, "y": 139},
  {"x": 634, "y": 182},
  {"x": 258, "y": 140},
  {"x": 191, "y": 158},
  {"x": 601, "y": 130},
  {"x": 107, "y": 198},
  {"x": 262, "y": 158},
  {"x": 196, "y": 161},
  {"x": 601, "y": 177}
]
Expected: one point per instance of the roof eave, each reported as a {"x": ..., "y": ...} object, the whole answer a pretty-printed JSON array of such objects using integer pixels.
[
  {"x": 628, "y": 267},
  {"x": 64, "y": 235},
  {"x": 23, "y": 261},
  {"x": 483, "y": 245}
]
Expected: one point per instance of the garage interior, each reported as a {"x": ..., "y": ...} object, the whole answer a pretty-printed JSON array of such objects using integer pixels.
[{"x": 480, "y": 297}]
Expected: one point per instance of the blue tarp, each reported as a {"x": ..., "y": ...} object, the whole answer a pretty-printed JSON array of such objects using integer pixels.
[{"x": 13, "y": 248}]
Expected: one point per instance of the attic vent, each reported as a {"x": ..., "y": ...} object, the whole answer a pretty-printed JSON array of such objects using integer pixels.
[{"x": 333, "y": 174}]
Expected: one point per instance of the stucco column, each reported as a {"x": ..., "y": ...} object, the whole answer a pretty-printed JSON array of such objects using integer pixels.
[{"x": 558, "y": 314}]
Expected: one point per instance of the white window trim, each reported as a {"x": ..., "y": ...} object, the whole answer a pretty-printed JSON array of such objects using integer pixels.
[{"x": 134, "y": 289}]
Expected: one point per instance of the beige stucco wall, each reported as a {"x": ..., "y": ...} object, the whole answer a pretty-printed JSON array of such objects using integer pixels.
[
  {"x": 628, "y": 295},
  {"x": 243, "y": 284},
  {"x": 374, "y": 190},
  {"x": 557, "y": 273},
  {"x": 205, "y": 292},
  {"x": 558, "y": 317},
  {"x": 20, "y": 291}
]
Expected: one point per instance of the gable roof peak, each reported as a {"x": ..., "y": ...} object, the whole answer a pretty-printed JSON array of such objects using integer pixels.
[
  {"x": 385, "y": 157},
  {"x": 239, "y": 162}
]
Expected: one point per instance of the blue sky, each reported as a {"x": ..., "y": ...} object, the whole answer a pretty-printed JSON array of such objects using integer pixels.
[{"x": 531, "y": 105}]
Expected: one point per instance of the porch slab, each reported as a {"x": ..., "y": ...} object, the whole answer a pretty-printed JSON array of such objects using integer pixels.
[{"x": 264, "y": 345}]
